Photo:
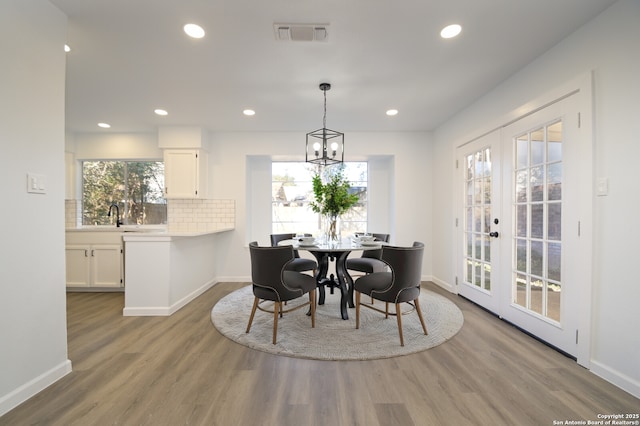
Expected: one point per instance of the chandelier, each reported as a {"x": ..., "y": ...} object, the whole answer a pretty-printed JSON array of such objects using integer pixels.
[{"x": 325, "y": 146}]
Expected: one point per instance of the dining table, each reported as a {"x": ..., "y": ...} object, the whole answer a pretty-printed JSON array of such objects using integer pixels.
[{"x": 338, "y": 251}]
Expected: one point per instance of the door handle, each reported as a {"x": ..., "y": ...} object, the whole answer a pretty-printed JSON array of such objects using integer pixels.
[{"x": 494, "y": 234}]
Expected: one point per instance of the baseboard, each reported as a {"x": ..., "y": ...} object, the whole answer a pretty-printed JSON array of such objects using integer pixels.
[
  {"x": 165, "y": 311},
  {"x": 18, "y": 396},
  {"x": 191, "y": 296},
  {"x": 445, "y": 285},
  {"x": 616, "y": 378},
  {"x": 234, "y": 279}
]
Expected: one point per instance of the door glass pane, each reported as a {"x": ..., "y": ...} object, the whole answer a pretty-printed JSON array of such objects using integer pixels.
[
  {"x": 537, "y": 219},
  {"x": 521, "y": 290},
  {"x": 554, "y": 181},
  {"x": 537, "y": 147},
  {"x": 554, "y": 142},
  {"x": 522, "y": 183},
  {"x": 554, "y": 224},
  {"x": 536, "y": 258},
  {"x": 537, "y": 183},
  {"x": 522, "y": 151},
  {"x": 521, "y": 220},
  {"x": 536, "y": 294},
  {"x": 553, "y": 302},
  {"x": 554, "y": 271}
]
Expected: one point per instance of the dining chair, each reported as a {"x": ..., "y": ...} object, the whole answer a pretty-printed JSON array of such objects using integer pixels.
[
  {"x": 299, "y": 264},
  {"x": 398, "y": 286},
  {"x": 272, "y": 281},
  {"x": 369, "y": 262}
]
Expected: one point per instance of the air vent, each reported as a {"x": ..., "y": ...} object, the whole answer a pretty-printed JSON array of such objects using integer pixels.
[{"x": 301, "y": 32}]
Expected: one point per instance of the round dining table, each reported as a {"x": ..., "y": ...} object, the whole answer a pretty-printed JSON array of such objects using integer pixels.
[{"x": 323, "y": 252}]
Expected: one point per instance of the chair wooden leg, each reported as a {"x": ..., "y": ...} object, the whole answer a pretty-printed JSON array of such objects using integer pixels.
[
  {"x": 276, "y": 305},
  {"x": 424, "y": 326},
  {"x": 358, "y": 309},
  {"x": 282, "y": 309},
  {"x": 312, "y": 301},
  {"x": 386, "y": 310},
  {"x": 399, "y": 316},
  {"x": 253, "y": 312}
]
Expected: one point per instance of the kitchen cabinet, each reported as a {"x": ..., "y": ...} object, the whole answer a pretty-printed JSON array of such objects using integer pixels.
[
  {"x": 94, "y": 260},
  {"x": 185, "y": 173},
  {"x": 94, "y": 265}
]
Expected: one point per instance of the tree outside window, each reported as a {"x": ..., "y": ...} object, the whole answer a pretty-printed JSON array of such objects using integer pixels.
[{"x": 134, "y": 186}]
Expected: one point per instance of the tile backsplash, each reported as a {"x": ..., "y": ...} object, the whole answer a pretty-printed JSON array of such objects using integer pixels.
[
  {"x": 72, "y": 213},
  {"x": 200, "y": 215},
  {"x": 182, "y": 215}
]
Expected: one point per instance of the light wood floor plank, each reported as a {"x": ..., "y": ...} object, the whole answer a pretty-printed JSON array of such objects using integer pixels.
[{"x": 179, "y": 370}]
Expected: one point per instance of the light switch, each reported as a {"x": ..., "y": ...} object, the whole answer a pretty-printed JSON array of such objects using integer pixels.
[
  {"x": 36, "y": 183},
  {"x": 602, "y": 186}
]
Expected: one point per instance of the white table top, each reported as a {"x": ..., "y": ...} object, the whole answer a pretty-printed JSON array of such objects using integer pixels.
[{"x": 344, "y": 244}]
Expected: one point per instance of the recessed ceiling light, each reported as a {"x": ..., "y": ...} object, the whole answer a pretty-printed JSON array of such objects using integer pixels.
[
  {"x": 67, "y": 48},
  {"x": 392, "y": 112},
  {"x": 450, "y": 31},
  {"x": 104, "y": 125},
  {"x": 160, "y": 111},
  {"x": 194, "y": 30},
  {"x": 249, "y": 112}
]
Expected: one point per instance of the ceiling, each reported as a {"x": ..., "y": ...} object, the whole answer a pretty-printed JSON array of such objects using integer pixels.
[{"x": 131, "y": 57}]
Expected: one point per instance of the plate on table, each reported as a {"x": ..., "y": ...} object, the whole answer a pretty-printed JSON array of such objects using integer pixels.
[
  {"x": 307, "y": 244},
  {"x": 370, "y": 243}
]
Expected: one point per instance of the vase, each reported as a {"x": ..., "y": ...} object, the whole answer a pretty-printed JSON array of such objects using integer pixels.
[{"x": 332, "y": 228}]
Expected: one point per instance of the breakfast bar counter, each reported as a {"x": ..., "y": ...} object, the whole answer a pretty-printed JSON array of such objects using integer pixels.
[{"x": 166, "y": 270}]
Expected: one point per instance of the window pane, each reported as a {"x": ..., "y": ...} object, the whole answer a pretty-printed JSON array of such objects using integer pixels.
[
  {"x": 136, "y": 187},
  {"x": 292, "y": 190}
]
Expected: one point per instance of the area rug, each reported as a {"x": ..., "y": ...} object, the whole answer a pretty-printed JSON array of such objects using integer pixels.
[{"x": 334, "y": 338}]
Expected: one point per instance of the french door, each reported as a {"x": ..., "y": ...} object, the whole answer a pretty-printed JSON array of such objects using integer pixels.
[
  {"x": 479, "y": 166},
  {"x": 519, "y": 236}
]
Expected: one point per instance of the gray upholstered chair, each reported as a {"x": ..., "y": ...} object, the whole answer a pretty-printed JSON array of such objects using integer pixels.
[
  {"x": 400, "y": 285},
  {"x": 370, "y": 261},
  {"x": 298, "y": 264},
  {"x": 274, "y": 282}
]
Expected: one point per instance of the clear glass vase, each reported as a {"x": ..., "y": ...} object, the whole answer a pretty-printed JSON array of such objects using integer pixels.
[{"x": 331, "y": 228}]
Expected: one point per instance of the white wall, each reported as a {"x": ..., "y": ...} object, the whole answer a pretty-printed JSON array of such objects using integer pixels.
[
  {"x": 610, "y": 47},
  {"x": 33, "y": 338}
]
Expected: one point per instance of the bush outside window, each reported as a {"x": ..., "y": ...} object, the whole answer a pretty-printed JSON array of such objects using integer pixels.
[{"x": 292, "y": 190}]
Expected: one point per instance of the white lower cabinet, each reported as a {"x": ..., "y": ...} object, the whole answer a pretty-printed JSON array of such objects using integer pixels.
[{"x": 94, "y": 265}]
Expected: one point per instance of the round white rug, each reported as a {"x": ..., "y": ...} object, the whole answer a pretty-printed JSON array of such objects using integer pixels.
[{"x": 334, "y": 338}]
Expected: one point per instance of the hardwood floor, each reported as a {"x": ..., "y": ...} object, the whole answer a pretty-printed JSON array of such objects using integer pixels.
[{"x": 179, "y": 370}]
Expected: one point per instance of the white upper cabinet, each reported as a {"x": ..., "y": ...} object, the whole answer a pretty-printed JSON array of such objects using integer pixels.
[
  {"x": 185, "y": 161},
  {"x": 185, "y": 173}
]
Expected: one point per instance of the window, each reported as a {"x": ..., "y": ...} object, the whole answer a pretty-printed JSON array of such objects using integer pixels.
[
  {"x": 135, "y": 186},
  {"x": 291, "y": 191}
]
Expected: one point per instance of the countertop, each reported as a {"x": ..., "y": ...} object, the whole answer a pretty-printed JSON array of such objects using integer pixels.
[{"x": 136, "y": 233}]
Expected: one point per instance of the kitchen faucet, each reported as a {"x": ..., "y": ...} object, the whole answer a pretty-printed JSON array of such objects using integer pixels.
[{"x": 118, "y": 222}]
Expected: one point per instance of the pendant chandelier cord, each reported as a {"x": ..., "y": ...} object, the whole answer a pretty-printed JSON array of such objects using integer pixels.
[{"x": 324, "y": 118}]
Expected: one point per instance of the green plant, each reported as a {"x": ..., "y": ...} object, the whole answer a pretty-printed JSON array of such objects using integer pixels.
[{"x": 333, "y": 197}]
